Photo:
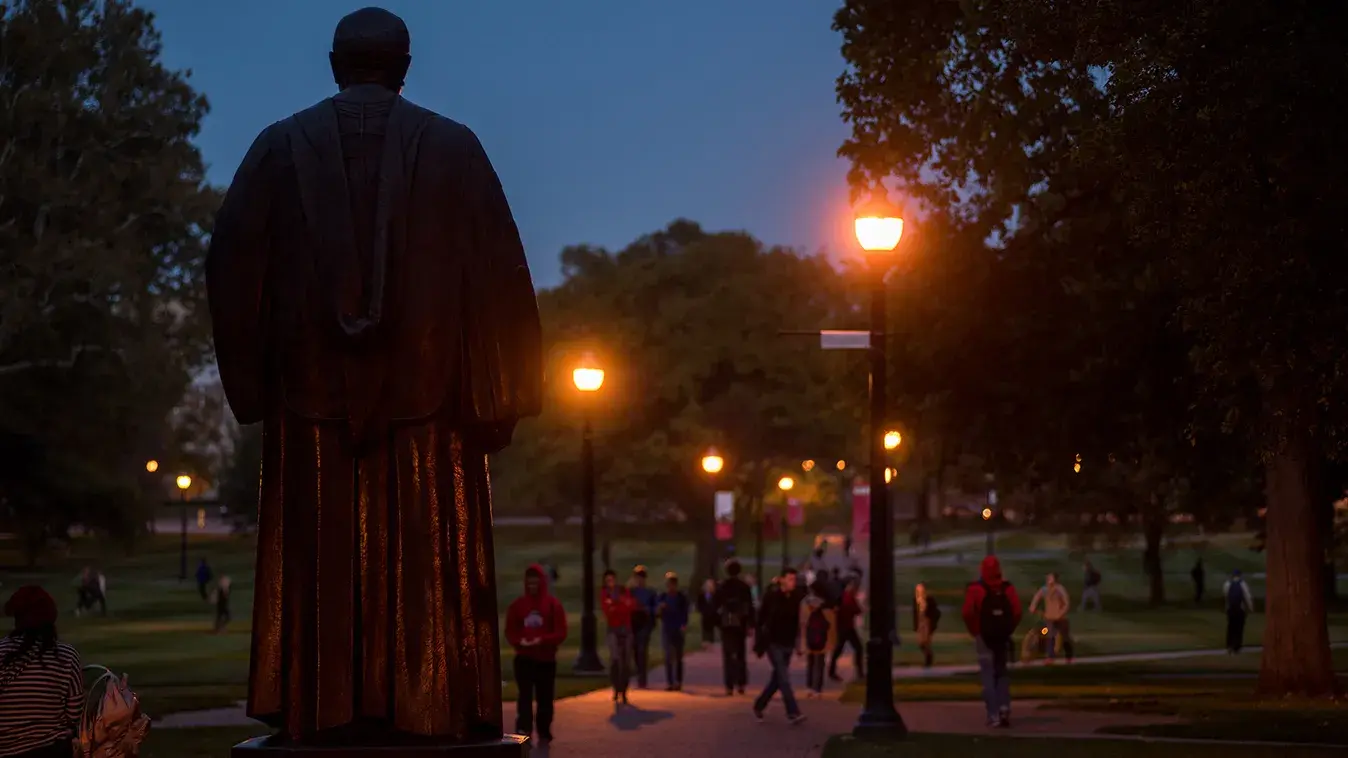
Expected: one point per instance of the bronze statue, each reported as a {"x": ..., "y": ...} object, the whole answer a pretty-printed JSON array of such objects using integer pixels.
[{"x": 373, "y": 309}]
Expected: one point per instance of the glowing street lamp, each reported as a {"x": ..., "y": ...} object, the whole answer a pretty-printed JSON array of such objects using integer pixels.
[
  {"x": 588, "y": 378},
  {"x": 786, "y": 483},
  {"x": 184, "y": 482},
  {"x": 890, "y": 473},
  {"x": 152, "y": 465},
  {"x": 987, "y": 514},
  {"x": 841, "y": 465},
  {"x": 878, "y": 235},
  {"x": 807, "y": 465}
]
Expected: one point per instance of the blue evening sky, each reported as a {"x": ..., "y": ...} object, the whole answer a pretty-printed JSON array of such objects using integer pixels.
[{"x": 605, "y": 119}]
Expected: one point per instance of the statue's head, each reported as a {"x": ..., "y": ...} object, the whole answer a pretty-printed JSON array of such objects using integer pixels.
[{"x": 371, "y": 46}]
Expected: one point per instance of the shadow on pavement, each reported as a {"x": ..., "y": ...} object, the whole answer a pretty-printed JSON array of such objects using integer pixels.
[{"x": 629, "y": 718}]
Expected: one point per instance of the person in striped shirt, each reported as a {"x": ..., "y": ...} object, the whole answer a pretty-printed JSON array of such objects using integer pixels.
[{"x": 41, "y": 681}]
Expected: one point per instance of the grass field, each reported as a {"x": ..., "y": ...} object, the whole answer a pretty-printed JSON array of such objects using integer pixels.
[{"x": 158, "y": 629}]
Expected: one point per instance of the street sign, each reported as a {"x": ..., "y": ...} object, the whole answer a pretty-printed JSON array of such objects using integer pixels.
[
  {"x": 861, "y": 513},
  {"x": 834, "y": 339},
  {"x": 723, "y": 507}
]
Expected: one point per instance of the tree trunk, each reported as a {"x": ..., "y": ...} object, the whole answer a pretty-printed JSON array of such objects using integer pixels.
[
  {"x": 1154, "y": 532},
  {"x": 1296, "y": 658}
]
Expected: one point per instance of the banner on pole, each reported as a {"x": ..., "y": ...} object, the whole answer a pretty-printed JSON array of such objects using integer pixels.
[
  {"x": 861, "y": 513},
  {"x": 772, "y": 524},
  {"x": 723, "y": 508},
  {"x": 795, "y": 512}
]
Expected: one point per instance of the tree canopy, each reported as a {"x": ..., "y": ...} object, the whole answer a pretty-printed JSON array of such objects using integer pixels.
[{"x": 103, "y": 204}]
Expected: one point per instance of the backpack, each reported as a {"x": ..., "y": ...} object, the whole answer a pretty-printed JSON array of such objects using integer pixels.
[
  {"x": 1235, "y": 596},
  {"x": 996, "y": 621},
  {"x": 816, "y": 630},
  {"x": 733, "y": 612},
  {"x": 1093, "y": 578}
]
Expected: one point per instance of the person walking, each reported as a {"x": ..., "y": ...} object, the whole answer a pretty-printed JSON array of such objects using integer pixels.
[
  {"x": 733, "y": 608},
  {"x": 778, "y": 637},
  {"x": 41, "y": 681},
  {"x": 617, "y": 604},
  {"x": 706, "y": 611},
  {"x": 815, "y": 627},
  {"x": 1056, "y": 603},
  {"x": 849, "y": 611},
  {"x": 535, "y": 627},
  {"x": 1239, "y": 605},
  {"x": 643, "y": 623},
  {"x": 1090, "y": 590},
  {"x": 991, "y": 614},
  {"x": 222, "y": 615},
  {"x": 204, "y": 576},
  {"x": 1199, "y": 575},
  {"x": 672, "y": 607},
  {"x": 926, "y": 615}
]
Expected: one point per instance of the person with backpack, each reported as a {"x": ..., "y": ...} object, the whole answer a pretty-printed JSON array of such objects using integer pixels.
[
  {"x": 733, "y": 606},
  {"x": 1090, "y": 591},
  {"x": 991, "y": 614},
  {"x": 926, "y": 615},
  {"x": 672, "y": 607},
  {"x": 814, "y": 621},
  {"x": 849, "y": 611},
  {"x": 778, "y": 637},
  {"x": 643, "y": 623},
  {"x": 1239, "y": 604},
  {"x": 617, "y": 603},
  {"x": 535, "y": 626}
]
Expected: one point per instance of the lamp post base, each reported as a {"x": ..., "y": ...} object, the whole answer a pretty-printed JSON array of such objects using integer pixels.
[
  {"x": 588, "y": 664},
  {"x": 879, "y": 719}
]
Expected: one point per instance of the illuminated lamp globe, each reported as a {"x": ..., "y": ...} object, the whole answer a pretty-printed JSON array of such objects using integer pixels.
[
  {"x": 183, "y": 481},
  {"x": 712, "y": 463},
  {"x": 879, "y": 234},
  {"x": 152, "y": 465},
  {"x": 587, "y": 376},
  {"x": 987, "y": 513},
  {"x": 892, "y": 439},
  {"x": 785, "y": 483}
]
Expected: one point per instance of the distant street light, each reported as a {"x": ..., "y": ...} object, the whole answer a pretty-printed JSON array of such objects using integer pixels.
[
  {"x": 807, "y": 465},
  {"x": 712, "y": 462},
  {"x": 841, "y": 465},
  {"x": 892, "y": 439},
  {"x": 152, "y": 465},
  {"x": 184, "y": 482},
  {"x": 588, "y": 378},
  {"x": 987, "y": 513},
  {"x": 786, "y": 483},
  {"x": 890, "y": 473},
  {"x": 878, "y": 236},
  {"x": 1076, "y": 467}
]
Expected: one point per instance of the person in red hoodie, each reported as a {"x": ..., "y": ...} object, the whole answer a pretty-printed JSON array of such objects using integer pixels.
[
  {"x": 617, "y": 603},
  {"x": 991, "y": 613},
  {"x": 535, "y": 627}
]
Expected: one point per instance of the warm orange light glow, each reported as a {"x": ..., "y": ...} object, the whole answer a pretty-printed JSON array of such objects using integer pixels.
[
  {"x": 879, "y": 234},
  {"x": 183, "y": 481},
  {"x": 807, "y": 466},
  {"x": 1076, "y": 468},
  {"x": 892, "y": 439},
  {"x": 842, "y": 465},
  {"x": 785, "y": 483},
  {"x": 890, "y": 473},
  {"x": 152, "y": 465},
  {"x": 987, "y": 513},
  {"x": 587, "y": 376},
  {"x": 712, "y": 463}
]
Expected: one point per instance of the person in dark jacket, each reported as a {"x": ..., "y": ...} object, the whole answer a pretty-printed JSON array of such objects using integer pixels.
[
  {"x": 643, "y": 623},
  {"x": 733, "y": 607},
  {"x": 672, "y": 607},
  {"x": 204, "y": 576},
  {"x": 1200, "y": 576},
  {"x": 222, "y": 614},
  {"x": 926, "y": 615},
  {"x": 849, "y": 610},
  {"x": 778, "y": 637},
  {"x": 706, "y": 611},
  {"x": 535, "y": 626}
]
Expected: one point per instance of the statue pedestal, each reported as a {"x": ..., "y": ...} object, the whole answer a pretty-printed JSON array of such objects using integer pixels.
[{"x": 509, "y": 746}]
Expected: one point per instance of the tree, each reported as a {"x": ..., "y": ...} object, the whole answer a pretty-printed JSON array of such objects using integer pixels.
[
  {"x": 102, "y": 211},
  {"x": 1189, "y": 145}
]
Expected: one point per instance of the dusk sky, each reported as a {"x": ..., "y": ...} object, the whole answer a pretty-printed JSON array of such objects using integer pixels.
[{"x": 605, "y": 120}]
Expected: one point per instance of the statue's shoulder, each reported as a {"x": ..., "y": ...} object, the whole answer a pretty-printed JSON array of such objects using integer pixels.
[{"x": 443, "y": 132}]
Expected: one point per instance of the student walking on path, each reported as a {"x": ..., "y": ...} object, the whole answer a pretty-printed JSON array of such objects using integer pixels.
[
  {"x": 849, "y": 610},
  {"x": 672, "y": 606},
  {"x": 733, "y": 607},
  {"x": 706, "y": 611},
  {"x": 816, "y": 628},
  {"x": 535, "y": 626},
  {"x": 926, "y": 615},
  {"x": 617, "y": 604},
  {"x": 1239, "y": 605},
  {"x": 778, "y": 637},
  {"x": 991, "y": 614},
  {"x": 1090, "y": 590},
  {"x": 643, "y": 623},
  {"x": 1056, "y": 603}
]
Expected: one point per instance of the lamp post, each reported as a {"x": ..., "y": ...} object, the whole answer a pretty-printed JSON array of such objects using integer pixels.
[
  {"x": 989, "y": 512},
  {"x": 588, "y": 379},
  {"x": 785, "y": 484},
  {"x": 712, "y": 463},
  {"x": 878, "y": 236},
  {"x": 184, "y": 482}
]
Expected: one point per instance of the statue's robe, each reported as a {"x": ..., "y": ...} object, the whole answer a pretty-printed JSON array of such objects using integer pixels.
[{"x": 373, "y": 309}]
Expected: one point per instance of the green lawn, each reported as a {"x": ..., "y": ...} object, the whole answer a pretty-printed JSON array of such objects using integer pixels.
[{"x": 963, "y": 746}]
